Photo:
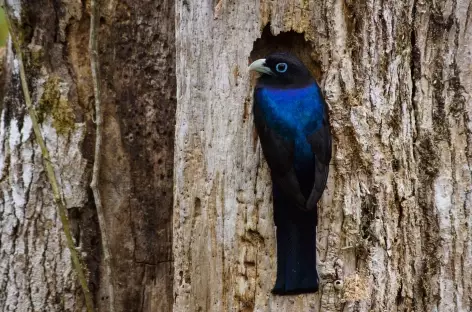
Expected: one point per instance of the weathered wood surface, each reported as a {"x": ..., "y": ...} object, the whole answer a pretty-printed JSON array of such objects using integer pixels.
[
  {"x": 136, "y": 47},
  {"x": 398, "y": 78}
]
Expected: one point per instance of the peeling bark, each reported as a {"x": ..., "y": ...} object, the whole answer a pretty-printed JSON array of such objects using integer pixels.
[{"x": 394, "y": 222}]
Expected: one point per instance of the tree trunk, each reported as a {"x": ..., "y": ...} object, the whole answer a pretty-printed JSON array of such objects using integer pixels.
[
  {"x": 136, "y": 56},
  {"x": 395, "y": 227}
]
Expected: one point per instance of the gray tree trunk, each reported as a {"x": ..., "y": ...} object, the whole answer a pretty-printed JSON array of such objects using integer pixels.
[
  {"x": 398, "y": 78},
  {"x": 35, "y": 266}
]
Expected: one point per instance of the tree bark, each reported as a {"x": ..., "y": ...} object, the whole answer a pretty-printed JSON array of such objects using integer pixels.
[
  {"x": 136, "y": 59},
  {"x": 395, "y": 227}
]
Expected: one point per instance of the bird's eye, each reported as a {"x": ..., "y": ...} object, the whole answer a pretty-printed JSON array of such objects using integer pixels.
[{"x": 281, "y": 67}]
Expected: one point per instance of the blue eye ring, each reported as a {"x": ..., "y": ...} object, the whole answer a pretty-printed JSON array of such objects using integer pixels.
[{"x": 281, "y": 67}]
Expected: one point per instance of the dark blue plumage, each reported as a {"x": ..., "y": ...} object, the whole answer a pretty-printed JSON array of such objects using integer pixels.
[{"x": 292, "y": 122}]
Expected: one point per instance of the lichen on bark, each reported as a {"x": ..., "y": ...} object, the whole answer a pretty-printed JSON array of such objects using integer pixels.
[{"x": 54, "y": 103}]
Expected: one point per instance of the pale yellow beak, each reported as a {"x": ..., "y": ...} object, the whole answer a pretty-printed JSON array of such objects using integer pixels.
[{"x": 259, "y": 66}]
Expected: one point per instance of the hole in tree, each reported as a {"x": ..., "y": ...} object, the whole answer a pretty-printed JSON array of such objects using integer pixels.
[{"x": 292, "y": 42}]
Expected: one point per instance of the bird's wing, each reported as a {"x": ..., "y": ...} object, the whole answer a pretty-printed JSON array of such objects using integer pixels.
[
  {"x": 279, "y": 154},
  {"x": 320, "y": 142}
]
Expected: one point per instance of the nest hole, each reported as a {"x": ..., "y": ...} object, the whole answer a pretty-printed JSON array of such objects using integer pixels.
[{"x": 290, "y": 41}]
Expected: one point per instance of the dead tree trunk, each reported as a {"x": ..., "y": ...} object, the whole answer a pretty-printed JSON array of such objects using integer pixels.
[
  {"x": 395, "y": 225},
  {"x": 395, "y": 228},
  {"x": 136, "y": 59}
]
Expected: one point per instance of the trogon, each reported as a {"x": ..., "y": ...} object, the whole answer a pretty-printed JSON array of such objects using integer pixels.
[{"x": 291, "y": 119}]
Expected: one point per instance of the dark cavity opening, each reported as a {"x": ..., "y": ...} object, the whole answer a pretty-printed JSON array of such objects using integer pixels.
[{"x": 292, "y": 42}]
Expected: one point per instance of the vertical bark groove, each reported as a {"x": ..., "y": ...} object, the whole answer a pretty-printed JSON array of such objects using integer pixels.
[{"x": 94, "y": 185}]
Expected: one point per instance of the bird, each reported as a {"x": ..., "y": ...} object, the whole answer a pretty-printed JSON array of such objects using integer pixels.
[{"x": 292, "y": 123}]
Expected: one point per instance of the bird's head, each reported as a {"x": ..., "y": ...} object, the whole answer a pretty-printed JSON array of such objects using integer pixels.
[{"x": 282, "y": 69}]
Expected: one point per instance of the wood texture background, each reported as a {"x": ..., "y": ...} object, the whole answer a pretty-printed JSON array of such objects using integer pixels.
[
  {"x": 137, "y": 71},
  {"x": 398, "y": 78},
  {"x": 193, "y": 230}
]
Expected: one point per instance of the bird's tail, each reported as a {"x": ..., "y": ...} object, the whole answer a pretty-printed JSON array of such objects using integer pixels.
[{"x": 296, "y": 248}]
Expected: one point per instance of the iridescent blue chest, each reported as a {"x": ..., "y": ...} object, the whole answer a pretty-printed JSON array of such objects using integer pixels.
[{"x": 291, "y": 112}]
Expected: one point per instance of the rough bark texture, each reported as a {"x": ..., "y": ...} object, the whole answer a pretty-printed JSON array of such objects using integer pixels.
[
  {"x": 138, "y": 83},
  {"x": 395, "y": 226}
]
